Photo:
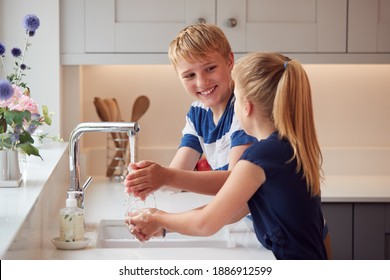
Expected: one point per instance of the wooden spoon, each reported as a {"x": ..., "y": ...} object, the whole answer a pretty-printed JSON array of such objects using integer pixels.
[
  {"x": 112, "y": 109},
  {"x": 141, "y": 105},
  {"x": 101, "y": 109}
]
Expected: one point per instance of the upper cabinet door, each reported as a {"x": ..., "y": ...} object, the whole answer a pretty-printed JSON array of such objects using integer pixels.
[
  {"x": 140, "y": 26},
  {"x": 232, "y": 19},
  {"x": 369, "y": 26},
  {"x": 305, "y": 26}
]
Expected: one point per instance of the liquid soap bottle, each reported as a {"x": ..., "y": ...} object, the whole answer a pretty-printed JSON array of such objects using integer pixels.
[{"x": 71, "y": 220}]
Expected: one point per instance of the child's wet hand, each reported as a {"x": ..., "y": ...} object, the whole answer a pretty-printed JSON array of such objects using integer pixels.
[
  {"x": 144, "y": 226},
  {"x": 145, "y": 177}
]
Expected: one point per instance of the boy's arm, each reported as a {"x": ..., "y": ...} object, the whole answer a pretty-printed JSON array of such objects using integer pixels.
[
  {"x": 150, "y": 176},
  {"x": 204, "y": 182},
  {"x": 185, "y": 159},
  {"x": 235, "y": 154}
]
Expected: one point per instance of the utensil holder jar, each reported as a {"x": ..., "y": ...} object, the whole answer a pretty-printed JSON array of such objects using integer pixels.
[{"x": 118, "y": 155}]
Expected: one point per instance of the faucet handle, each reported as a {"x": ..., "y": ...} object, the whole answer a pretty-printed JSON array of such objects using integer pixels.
[{"x": 86, "y": 184}]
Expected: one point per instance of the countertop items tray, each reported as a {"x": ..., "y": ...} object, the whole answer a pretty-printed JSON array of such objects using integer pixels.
[{"x": 76, "y": 245}]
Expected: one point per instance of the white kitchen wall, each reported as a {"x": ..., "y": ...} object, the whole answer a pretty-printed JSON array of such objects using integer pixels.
[
  {"x": 351, "y": 104},
  {"x": 43, "y": 55}
]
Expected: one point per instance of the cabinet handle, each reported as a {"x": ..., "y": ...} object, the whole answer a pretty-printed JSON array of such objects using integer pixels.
[
  {"x": 200, "y": 20},
  {"x": 231, "y": 22}
]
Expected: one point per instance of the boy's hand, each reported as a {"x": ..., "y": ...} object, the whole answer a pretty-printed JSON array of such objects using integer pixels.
[{"x": 144, "y": 178}]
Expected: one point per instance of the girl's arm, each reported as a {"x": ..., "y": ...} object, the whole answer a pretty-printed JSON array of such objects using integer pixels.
[{"x": 227, "y": 205}]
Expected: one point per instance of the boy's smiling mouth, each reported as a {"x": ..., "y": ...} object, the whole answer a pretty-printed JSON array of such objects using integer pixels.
[{"x": 207, "y": 92}]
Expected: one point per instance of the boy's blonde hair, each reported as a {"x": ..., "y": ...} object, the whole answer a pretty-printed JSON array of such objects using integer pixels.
[
  {"x": 196, "y": 42},
  {"x": 281, "y": 87}
]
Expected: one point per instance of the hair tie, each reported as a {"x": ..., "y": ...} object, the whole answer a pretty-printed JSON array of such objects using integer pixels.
[{"x": 285, "y": 64}]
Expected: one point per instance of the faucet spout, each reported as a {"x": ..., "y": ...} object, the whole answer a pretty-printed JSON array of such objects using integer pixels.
[{"x": 130, "y": 127}]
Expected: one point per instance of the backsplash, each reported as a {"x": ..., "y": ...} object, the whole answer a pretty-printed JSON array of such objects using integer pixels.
[{"x": 351, "y": 107}]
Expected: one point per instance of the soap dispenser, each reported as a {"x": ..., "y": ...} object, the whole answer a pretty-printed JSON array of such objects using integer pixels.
[{"x": 71, "y": 220}]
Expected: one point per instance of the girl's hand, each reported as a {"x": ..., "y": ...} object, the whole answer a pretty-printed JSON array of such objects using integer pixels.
[{"x": 144, "y": 224}]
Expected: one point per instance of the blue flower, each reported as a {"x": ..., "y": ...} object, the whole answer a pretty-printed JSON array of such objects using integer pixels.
[
  {"x": 2, "y": 49},
  {"x": 16, "y": 52},
  {"x": 31, "y": 23},
  {"x": 31, "y": 128},
  {"x": 6, "y": 90}
]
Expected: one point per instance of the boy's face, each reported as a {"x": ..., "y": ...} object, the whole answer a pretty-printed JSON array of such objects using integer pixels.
[{"x": 208, "y": 80}]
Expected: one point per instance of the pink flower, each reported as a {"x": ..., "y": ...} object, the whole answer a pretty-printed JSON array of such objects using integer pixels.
[{"x": 20, "y": 102}]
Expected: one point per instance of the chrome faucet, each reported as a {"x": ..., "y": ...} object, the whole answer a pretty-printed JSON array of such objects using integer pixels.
[{"x": 130, "y": 127}]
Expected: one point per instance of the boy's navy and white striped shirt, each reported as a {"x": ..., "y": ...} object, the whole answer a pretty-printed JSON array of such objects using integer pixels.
[{"x": 215, "y": 141}]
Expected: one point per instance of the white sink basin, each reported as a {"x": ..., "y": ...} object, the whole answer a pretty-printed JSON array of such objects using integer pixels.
[{"x": 114, "y": 234}]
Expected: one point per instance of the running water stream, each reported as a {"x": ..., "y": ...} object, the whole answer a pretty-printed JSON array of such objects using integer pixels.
[
  {"x": 135, "y": 204},
  {"x": 132, "y": 147}
]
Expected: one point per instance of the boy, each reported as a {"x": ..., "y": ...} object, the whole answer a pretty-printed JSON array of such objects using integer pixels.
[{"x": 203, "y": 60}]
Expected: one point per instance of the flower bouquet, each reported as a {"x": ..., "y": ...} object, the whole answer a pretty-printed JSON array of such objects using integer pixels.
[{"x": 19, "y": 113}]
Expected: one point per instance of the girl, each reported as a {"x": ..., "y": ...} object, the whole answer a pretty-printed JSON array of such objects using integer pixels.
[{"x": 277, "y": 179}]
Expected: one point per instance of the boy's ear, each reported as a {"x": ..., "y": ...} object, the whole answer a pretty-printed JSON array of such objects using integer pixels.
[{"x": 230, "y": 61}]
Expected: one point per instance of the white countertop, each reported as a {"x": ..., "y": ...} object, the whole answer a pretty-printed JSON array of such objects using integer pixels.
[
  {"x": 105, "y": 200},
  {"x": 17, "y": 202},
  {"x": 362, "y": 188}
]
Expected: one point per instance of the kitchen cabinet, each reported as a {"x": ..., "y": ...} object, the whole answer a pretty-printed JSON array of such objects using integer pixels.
[
  {"x": 339, "y": 219},
  {"x": 300, "y": 26},
  {"x": 359, "y": 231},
  {"x": 146, "y": 26},
  {"x": 288, "y": 26},
  {"x": 368, "y": 26},
  {"x": 139, "y": 31}
]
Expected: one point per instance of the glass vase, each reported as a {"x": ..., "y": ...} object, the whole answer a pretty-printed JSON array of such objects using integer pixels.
[
  {"x": 13, "y": 165},
  {"x": 10, "y": 175}
]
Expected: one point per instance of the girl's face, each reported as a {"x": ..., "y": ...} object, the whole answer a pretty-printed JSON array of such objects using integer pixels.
[{"x": 209, "y": 80}]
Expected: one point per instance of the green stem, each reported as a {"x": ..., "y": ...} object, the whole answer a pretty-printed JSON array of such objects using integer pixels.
[
  {"x": 19, "y": 74},
  {"x": 4, "y": 69}
]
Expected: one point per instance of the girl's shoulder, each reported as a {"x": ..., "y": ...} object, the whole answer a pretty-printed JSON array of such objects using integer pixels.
[{"x": 272, "y": 146}]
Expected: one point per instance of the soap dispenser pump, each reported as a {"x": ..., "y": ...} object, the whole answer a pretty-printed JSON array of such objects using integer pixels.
[{"x": 71, "y": 220}]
